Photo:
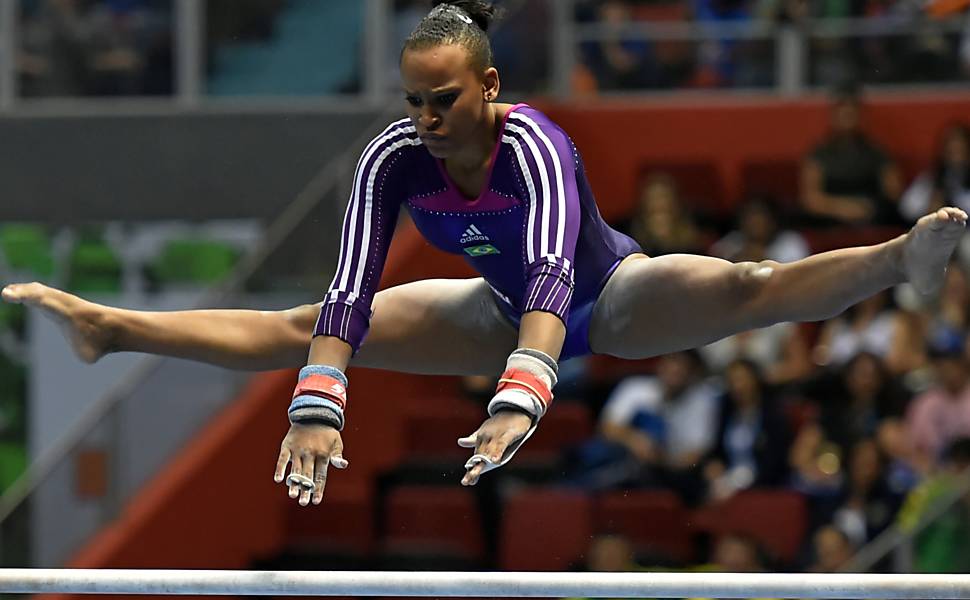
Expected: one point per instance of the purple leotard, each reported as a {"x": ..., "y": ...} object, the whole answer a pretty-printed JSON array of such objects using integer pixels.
[{"x": 534, "y": 234}]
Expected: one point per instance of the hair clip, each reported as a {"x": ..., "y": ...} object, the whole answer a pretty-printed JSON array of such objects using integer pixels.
[{"x": 452, "y": 10}]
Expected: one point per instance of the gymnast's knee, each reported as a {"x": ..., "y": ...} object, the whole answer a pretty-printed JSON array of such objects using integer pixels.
[
  {"x": 302, "y": 318},
  {"x": 751, "y": 278}
]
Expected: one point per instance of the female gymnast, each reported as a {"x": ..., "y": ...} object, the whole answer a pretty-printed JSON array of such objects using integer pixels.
[{"x": 503, "y": 186}]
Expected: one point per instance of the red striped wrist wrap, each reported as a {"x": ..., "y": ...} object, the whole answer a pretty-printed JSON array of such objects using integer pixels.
[
  {"x": 323, "y": 386},
  {"x": 517, "y": 379}
]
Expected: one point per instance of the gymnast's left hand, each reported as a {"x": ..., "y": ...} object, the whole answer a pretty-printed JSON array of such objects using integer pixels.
[{"x": 493, "y": 438}]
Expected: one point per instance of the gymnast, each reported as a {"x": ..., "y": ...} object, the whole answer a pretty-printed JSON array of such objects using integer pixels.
[{"x": 503, "y": 186}]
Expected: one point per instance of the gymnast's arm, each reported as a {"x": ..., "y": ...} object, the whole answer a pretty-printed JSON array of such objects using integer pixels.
[
  {"x": 549, "y": 290},
  {"x": 316, "y": 412}
]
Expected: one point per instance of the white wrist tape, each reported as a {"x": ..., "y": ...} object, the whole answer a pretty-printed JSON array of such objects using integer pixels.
[{"x": 525, "y": 396}]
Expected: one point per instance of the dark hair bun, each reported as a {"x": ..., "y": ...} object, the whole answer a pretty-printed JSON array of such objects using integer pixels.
[{"x": 483, "y": 13}]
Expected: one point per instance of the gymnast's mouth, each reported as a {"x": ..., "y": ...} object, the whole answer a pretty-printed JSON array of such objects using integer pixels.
[{"x": 433, "y": 138}]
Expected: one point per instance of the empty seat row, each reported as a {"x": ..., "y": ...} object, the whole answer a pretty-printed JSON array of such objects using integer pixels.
[{"x": 546, "y": 528}]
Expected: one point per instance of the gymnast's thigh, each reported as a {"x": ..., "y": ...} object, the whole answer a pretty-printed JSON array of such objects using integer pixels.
[
  {"x": 438, "y": 327},
  {"x": 653, "y": 306}
]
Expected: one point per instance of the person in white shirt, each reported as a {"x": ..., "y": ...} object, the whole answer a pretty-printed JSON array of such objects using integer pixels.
[{"x": 654, "y": 429}]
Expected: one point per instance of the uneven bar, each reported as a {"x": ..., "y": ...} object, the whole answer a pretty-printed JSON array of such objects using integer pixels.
[{"x": 490, "y": 584}]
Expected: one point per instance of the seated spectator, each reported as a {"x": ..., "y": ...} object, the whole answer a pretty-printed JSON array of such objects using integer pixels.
[
  {"x": 868, "y": 502},
  {"x": 946, "y": 182},
  {"x": 759, "y": 237},
  {"x": 853, "y": 406},
  {"x": 871, "y": 326},
  {"x": 738, "y": 553},
  {"x": 856, "y": 401},
  {"x": 848, "y": 179},
  {"x": 654, "y": 429},
  {"x": 610, "y": 553},
  {"x": 941, "y": 415},
  {"x": 619, "y": 62},
  {"x": 660, "y": 224},
  {"x": 941, "y": 547},
  {"x": 832, "y": 550},
  {"x": 945, "y": 317},
  {"x": 752, "y": 438}
]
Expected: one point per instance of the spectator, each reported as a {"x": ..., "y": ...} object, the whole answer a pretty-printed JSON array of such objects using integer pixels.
[
  {"x": 946, "y": 182},
  {"x": 871, "y": 326},
  {"x": 945, "y": 318},
  {"x": 832, "y": 548},
  {"x": 654, "y": 429},
  {"x": 942, "y": 546},
  {"x": 661, "y": 225},
  {"x": 941, "y": 415},
  {"x": 858, "y": 404},
  {"x": 868, "y": 503},
  {"x": 752, "y": 438},
  {"x": 759, "y": 237},
  {"x": 857, "y": 401},
  {"x": 610, "y": 553},
  {"x": 618, "y": 62},
  {"x": 738, "y": 553},
  {"x": 847, "y": 178}
]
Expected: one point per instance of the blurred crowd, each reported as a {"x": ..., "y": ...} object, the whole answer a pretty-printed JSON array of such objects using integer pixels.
[
  {"x": 125, "y": 47},
  {"x": 623, "y": 60},
  {"x": 866, "y": 415},
  {"x": 95, "y": 48}
]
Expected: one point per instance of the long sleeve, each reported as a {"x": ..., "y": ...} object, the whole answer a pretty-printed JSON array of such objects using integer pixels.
[
  {"x": 548, "y": 167},
  {"x": 369, "y": 222}
]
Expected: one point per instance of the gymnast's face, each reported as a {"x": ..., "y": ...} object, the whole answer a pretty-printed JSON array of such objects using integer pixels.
[{"x": 447, "y": 99}]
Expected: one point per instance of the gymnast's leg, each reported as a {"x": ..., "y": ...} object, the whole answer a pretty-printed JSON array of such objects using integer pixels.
[
  {"x": 653, "y": 306},
  {"x": 436, "y": 326}
]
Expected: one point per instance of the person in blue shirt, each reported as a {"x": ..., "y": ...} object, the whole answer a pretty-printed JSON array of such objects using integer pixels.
[{"x": 504, "y": 187}]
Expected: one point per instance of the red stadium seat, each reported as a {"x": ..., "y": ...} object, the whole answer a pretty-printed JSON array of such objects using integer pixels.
[
  {"x": 566, "y": 424},
  {"x": 777, "y": 179},
  {"x": 653, "y": 520},
  {"x": 433, "y": 519},
  {"x": 434, "y": 434},
  {"x": 698, "y": 183},
  {"x": 348, "y": 530},
  {"x": 776, "y": 518},
  {"x": 545, "y": 530}
]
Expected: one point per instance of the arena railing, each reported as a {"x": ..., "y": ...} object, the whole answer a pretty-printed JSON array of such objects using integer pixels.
[
  {"x": 790, "y": 50},
  {"x": 897, "y": 543}
]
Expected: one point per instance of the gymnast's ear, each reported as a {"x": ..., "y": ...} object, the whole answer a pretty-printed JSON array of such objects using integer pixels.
[{"x": 490, "y": 84}]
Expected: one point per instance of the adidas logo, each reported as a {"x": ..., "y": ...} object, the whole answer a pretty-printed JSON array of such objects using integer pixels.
[{"x": 472, "y": 234}]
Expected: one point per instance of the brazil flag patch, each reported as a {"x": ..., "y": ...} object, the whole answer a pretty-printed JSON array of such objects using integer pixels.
[{"x": 483, "y": 250}]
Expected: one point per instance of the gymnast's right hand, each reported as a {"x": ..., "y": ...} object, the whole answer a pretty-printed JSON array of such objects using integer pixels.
[
  {"x": 313, "y": 443},
  {"x": 310, "y": 449}
]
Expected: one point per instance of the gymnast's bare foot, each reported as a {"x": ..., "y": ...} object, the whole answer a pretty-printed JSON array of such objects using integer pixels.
[
  {"x": 83, "y": 323},
  {"x": 928, "y": 246}
]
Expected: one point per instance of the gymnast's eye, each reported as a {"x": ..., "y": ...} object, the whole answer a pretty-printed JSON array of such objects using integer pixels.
[
  {"x": 447, "y": 99},
  {"x": 413, "y": 100}
]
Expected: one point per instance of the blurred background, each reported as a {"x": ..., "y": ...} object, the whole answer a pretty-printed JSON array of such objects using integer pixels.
[{"x": 163, "y": 154}]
